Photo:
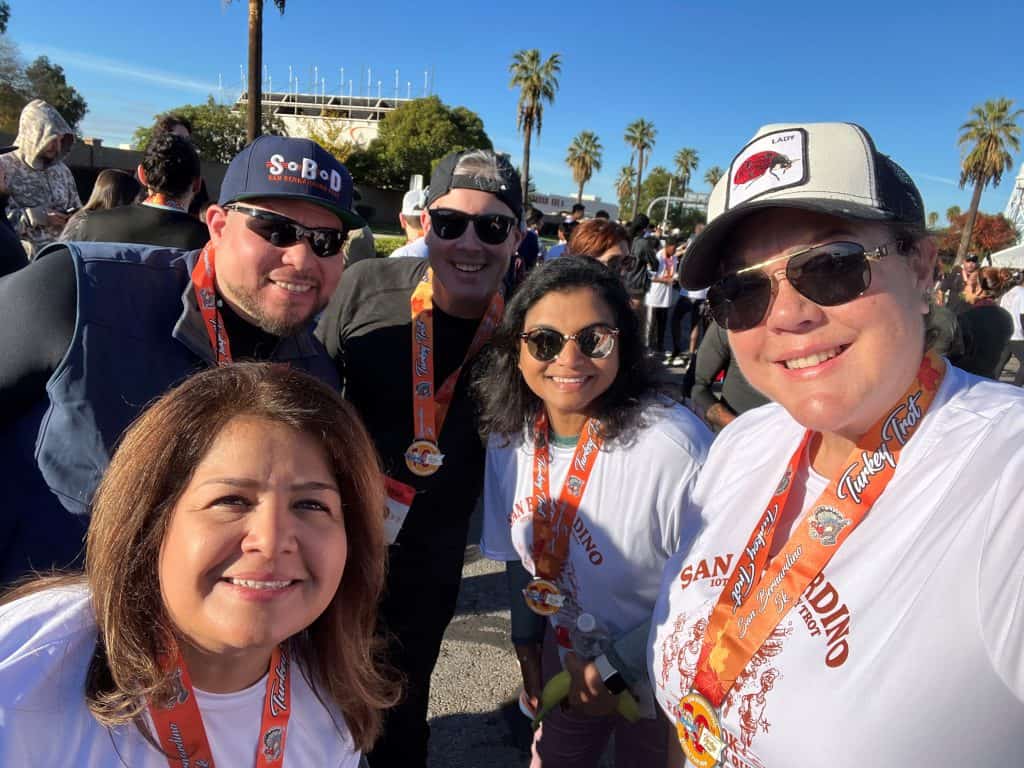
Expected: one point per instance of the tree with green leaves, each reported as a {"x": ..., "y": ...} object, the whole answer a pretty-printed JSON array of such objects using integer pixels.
[
  {"x": 254, "y": 96},
  {"x": 41, "y": 79},
  {"x": 584, "y": 159},
  {"x": 624, "y": 184},
  {"x": 46, "y": 81},
  {"x": 12, "y": 86},
  {"x": 537, "y": 82},
  {"x": 686, "y": 160},
  {"x": 412, "y": 139},
  {"x": 332, "y": 137},
  {"x": 640, "y": 136},
  {"x": 933, "y": 219},
  {"x": 713, "y": 175},
  {"x": 218, "y": 131},
  {"x": 986, "y": 140},
  {"x": 5, "y": 17},
  {"x": 952, "y": 213}
]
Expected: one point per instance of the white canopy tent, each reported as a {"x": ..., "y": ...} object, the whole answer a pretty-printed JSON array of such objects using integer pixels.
[{"x": 1012, "y": 257}]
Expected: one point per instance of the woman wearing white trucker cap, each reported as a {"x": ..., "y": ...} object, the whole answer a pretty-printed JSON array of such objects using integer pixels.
[{"x": 857, "y": 594}]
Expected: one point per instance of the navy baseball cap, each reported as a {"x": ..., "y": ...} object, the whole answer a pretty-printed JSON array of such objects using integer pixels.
[
  {"x": 5, "y": 150},
  {"x": 290, "y": 168}
]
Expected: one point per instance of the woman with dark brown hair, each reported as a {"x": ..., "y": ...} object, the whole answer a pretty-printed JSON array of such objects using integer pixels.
[{"x": 233, "y": 567}]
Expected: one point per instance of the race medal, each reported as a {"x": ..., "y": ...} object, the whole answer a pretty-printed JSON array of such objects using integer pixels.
[
  {"x": 423, "y": 458},
  {"x": 543, "y": 597},
  {"x": 699, "y": 732},
  {"x": 429, "y": 408}
]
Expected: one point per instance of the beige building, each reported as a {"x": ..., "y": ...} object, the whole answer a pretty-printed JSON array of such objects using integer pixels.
[{"x": 357, "y": 117}]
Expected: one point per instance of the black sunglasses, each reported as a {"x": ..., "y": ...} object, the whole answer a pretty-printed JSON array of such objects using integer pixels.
[
  {"x": 829, "y": 275},
  {"x": 595, "y": 341},
  {"x": 282, "y": 232},
  {"x": 491, "y": 228}
]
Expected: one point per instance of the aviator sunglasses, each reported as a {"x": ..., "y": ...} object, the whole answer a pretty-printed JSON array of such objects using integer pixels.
[
  {"x": 829, "y": 275},
  {"x": 595, "y": 341},
  {"x": 282, "y": 232},
  {"x": 491, "y": 228}
]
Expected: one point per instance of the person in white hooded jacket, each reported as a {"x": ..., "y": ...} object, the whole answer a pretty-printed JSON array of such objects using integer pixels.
[{"x": 41, "y": 188}]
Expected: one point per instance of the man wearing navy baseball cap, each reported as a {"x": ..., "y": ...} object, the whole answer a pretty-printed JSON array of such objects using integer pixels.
[{"x": 91, "y": 332}]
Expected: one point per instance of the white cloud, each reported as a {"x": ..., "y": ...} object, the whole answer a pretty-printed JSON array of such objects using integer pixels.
[
  {"x": 128, "y": 70},
  {"x": 930, "y": 177}
]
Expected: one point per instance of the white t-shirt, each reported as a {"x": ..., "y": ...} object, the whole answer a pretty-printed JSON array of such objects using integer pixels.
[
  {"x": 46, "y": 642},
  {"x": 662, "y": 294},
  {"x": 700, "y": 295},
  {"x": 908, "y": 648},
  {"x": 1013, "y": 302},
  {"x": 416, "y": 249},
  {"x": 634, "y": 514}
]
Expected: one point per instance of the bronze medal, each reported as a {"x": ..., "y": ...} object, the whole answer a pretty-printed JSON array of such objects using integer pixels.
[
  {"x": 543, "y": 597},
  {"x": 423, "y": 458},
  {"x": 699, "y": 731}
]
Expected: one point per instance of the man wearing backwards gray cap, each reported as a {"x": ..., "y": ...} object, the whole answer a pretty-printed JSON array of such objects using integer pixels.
[
  {"x": 94, "y": 331},
  {"x": 404, "y": 333},
  {"x": 860, "y": 570}
]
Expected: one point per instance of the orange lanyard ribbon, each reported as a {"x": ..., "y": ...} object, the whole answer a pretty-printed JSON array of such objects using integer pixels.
[
  {"x": 552, "y": 523},
  {"x": 751, "y": 606},
  {"x": 163, "y": 201},
  {"x": 205, "y": 287},
  {"x": 429, "y": 410},
  {"x": 179, "y": 724}
]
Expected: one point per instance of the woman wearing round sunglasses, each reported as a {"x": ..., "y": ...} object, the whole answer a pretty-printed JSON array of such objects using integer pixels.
[
  {"x": 587, "y": 484},
  {"x": 859, "y": 576}
]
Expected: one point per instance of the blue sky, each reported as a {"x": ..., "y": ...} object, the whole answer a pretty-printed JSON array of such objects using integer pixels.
[{"x": 706, "y": 73}]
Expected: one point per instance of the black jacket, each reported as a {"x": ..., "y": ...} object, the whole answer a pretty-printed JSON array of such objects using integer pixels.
[
  {"x": 141, "y": 224},
  {"x": 643, "y": 257},
  {"x": 12, "y": 255}
]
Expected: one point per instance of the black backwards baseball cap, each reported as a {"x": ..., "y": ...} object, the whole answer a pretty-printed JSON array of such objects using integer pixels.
[
  {"x": 5, "y": 150},
  {"x": 508, "y": 188},
  {"x": 831, "y": 168},
  {"x": 294, "y": 169}
]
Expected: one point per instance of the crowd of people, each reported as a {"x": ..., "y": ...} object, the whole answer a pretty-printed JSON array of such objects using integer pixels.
[{"x": 241, "y": 457}]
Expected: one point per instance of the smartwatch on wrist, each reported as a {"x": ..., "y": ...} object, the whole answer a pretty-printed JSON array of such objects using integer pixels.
[{"x": 613, "y": 681}]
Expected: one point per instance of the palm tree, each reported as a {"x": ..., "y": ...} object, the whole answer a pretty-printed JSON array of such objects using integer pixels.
[
  {"x": 254, "y": 97},
  {"x": 952, "y": 213},
  {"x": 933, "y": 219},
  {"x": 992, "y": 131},
  {"x": 584, "y": 158},
  {"x": 624, "y": 183},
  {"x": 640, "y": 136},
  {"x": 686, "y": 160},
  {"x": 537, "y": 82},
  {"x": 713, "y": 175}
]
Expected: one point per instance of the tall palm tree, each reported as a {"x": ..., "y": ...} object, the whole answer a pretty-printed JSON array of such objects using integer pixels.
[
  {"x": 713, "y": 175},
  {"x": 624, "y": 183},
  {"x": 584, "y": 158},
  {"x": 952, "y": 212},
  {"x": 991, "y": 133},
  {"x": 254, "y": 97},
  {"x": 933, "y": 219},
  {"x": 640, "y": 136},
  {"x": 537, "y": 82},
  {"x": 686, "y": 160}
]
